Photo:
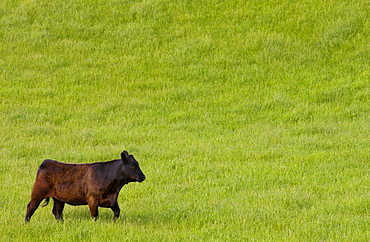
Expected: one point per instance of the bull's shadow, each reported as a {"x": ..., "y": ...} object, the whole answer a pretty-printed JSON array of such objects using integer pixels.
[
  {"x": 130, "y": 216},
  {"x": 105, "y": 215}
]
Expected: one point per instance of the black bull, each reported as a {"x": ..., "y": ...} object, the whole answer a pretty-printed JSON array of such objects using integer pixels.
[{"x": 95, "y": 184}]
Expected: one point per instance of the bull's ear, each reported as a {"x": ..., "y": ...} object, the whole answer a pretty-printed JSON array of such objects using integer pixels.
[{"x": 124, "y": 156}]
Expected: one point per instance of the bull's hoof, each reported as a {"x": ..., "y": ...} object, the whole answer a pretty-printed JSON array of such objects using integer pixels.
[{"x": 60, "y": 220}]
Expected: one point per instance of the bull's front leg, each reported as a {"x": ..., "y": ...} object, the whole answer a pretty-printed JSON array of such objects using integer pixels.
[
  {"x": 116, "y": 210},
  {"x": 93, "y": 206}
]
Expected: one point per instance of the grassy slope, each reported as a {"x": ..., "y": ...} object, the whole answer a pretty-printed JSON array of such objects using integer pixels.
[{"x": 249, "y": 119}]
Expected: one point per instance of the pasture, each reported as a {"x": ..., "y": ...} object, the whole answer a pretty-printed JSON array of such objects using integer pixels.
[{"x": 250, "y": 119}]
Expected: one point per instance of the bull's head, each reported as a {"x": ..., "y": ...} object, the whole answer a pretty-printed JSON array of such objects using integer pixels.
[{"x": 131, "y": 169}]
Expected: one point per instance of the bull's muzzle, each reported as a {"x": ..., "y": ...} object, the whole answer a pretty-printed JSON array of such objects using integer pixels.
[{"x": 141, "y": 178}]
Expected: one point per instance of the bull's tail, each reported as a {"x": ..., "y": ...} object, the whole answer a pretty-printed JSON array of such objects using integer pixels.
[{"x": 46, "y": 202}]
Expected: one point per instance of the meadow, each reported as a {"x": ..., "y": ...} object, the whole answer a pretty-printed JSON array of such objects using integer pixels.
[{"x": 250, "y": 119}]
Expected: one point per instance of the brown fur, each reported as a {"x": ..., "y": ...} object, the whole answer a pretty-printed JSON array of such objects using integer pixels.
[{"x": 95, "y": 184}]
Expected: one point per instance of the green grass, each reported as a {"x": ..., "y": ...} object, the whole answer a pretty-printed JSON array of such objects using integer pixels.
[{"x": 250, "y": 119}]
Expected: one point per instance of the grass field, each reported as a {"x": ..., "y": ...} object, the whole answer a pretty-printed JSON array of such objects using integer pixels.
[{"x": 250, "y": 119}]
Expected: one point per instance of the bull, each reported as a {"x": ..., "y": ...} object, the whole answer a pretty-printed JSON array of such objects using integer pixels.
[{"x": 93, "y": 184}]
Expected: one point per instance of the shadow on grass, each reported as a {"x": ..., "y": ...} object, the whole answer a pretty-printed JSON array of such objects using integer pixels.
[
  {"x": 82, "y": 213},
  {"x": 130, "y": 217}
]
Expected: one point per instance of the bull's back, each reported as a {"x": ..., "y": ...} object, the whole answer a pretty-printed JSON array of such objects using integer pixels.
[
  {"x": 62, "y": 181},
  {"x": 59, "y": 171}
]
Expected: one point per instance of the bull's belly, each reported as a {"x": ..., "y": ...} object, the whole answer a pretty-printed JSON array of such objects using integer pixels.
[
  {"x": 69, "y": 193},
  {"x": 76, "y": 201},
  {"x": 71, "y": 200}
]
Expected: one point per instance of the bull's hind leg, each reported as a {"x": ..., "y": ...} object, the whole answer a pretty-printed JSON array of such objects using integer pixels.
[
  {"x": 31, "y": 208},
  {"x": 116, "y": 210},
  {"x": 58, "y": 209}
]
